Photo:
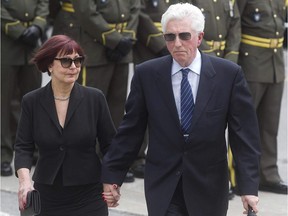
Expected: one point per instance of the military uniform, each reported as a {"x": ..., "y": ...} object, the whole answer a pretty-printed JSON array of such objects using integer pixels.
[
  {"x": 16, "y": 72},
  {"x": 261, "y": 57},
  {"x": 150, "y": 42},
  {"x": 222, "y": 28}
]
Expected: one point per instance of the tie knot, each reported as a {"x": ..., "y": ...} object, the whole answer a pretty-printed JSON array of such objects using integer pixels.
[{"x": 185, "y": 71}]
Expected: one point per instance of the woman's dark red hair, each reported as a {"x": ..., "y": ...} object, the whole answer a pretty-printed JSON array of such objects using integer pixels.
[{"x": 49, "y": 50}]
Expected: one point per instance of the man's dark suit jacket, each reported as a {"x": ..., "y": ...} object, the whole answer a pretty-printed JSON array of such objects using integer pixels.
[
  {"x": 222, "y": 99},
  {"x": 72, "y": 147}
]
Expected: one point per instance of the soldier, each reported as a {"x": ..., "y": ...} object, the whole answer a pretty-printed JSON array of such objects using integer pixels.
[
  {"x": 261, "y": 57},
  {"x": 64, "y": 19},
  {"x": 22, "y": 25},
  {"x": 222, "y": 39},
  {"x": 107, "y": 31},
  {"x": 222, "y": 28}
]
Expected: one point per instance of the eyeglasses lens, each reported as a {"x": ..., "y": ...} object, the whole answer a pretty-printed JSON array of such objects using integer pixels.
[
  {"x": 67, "y": 62},
  {"x": 182, "y": 36}
]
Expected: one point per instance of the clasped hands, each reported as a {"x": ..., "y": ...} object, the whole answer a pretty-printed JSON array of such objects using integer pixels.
[{"x": 111, "y": 194}]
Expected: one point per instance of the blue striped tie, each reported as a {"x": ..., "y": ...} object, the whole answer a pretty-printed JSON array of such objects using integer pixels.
[{"x": 187, "y": 102}]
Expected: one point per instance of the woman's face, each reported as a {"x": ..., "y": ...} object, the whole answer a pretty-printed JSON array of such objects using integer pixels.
[{"x": 66, "y": 68}]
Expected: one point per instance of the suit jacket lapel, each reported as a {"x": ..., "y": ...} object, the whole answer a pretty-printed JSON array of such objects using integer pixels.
[
  {"x": 164, "y": 81},
  {"x": 205, "y": 88}
]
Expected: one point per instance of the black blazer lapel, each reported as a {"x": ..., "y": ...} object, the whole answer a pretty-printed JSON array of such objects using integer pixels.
[
  {"x": 205, "y": 88},
  {"x": 48, "y": 104},
  {"x": 75, "y": 99}
]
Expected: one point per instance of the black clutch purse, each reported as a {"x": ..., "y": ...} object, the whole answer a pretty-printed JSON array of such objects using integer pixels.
[{"x": 33, "y": 204}]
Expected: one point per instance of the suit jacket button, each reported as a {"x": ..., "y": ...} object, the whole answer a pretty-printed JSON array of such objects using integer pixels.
[
  {"x": 62, "y": 148},
  {"x": 178, "y": 173}
]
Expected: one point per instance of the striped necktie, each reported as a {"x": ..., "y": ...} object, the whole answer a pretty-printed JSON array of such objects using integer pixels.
[{"x": 187, "y": 102}]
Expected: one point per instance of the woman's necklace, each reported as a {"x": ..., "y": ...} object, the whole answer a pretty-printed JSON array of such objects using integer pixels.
[{"x": 62, "y": 99}]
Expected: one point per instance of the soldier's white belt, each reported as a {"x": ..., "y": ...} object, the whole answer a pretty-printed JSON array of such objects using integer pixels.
[
  {"x": 262, "y": 42},
  {"x": 68, "y": 7}
]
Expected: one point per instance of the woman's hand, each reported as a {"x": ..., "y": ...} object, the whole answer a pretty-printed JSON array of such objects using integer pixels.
[
  {"x": 111, "y": 194},
  {"x": 25, "y": 185}
]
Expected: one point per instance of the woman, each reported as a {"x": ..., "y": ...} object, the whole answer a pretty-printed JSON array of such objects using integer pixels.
[{"x": 65, "y": 121}]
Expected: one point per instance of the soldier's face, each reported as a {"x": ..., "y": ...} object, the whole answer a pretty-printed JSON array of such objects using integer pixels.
[{"x": 182, "y": 42}]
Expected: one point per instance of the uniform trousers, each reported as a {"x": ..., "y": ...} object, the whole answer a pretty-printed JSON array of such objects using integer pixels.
[
  {"x": 267, "y": 101},
  {"x": 112, "y": 79},
  {"x": 15, "y": 82}
]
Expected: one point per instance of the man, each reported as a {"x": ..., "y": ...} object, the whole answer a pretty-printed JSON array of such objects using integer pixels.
[
  {"x": 186, "y": 165},
  {"x": 22, "y": 25},
  {"x": 262, "y": 60},
  {"x": 150, "y": 44}
]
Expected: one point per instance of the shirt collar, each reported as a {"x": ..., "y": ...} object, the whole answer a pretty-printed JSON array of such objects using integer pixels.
[{"x": 195, "y": 66}]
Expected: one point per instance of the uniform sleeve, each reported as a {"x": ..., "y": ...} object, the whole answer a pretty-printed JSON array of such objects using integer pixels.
[
  {"x": 98, "y": 27},
  {"x": 233, "y": 35},
  {"x": 149, "y": 35},
  {"x": 9, "y": 25},
  {"x": 41, "y": 13},
  {"x": 241, "y": 5}
]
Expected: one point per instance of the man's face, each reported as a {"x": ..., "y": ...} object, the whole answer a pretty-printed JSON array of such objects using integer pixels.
[{"x": 183, "y": 50}]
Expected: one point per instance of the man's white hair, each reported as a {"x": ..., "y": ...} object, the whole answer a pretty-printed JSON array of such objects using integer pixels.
[{"x": 180, "y": 11}]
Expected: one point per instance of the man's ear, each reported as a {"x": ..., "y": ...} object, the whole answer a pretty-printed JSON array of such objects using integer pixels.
[{"x": 200, "y": 38}]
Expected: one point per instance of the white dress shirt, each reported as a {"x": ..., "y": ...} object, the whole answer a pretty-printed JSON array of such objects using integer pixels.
[{"x": 193, "y": 78}]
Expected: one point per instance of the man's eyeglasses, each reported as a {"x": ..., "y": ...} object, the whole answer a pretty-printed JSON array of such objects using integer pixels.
[
  {"x": 67, "y": 62},
  {"x": 182, "y": 36}
]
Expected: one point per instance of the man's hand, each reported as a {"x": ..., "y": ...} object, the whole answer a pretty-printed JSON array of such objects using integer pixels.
[
  {"x": 250, "y": 200},
  {"x": 111, "y": 194}
]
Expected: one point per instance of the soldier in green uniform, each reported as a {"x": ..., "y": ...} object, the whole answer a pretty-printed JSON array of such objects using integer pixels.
[
  {"x": 261, "y": 57},
  {"x": 64, "y": 19},
  {"x": 150, "y": 43},
  {"x": 107, "y": 31},
  {"x": 222, "y": 39},
  {"x": 222, "y": 28},
  {"x": 22, "y": 25}
]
